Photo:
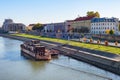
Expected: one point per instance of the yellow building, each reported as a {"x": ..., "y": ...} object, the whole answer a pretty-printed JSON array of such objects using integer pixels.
[{"x": 80, "y": 22}]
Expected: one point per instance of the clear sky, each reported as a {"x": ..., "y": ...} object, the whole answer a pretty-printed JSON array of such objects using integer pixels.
[{"x": 49, "y": 11}]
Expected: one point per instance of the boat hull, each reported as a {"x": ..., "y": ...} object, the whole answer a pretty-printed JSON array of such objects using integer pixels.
[{"x": 33, "y": 56}]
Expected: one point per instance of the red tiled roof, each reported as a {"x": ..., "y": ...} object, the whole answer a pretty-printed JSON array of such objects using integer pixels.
[{"x": 84, "y": 18}]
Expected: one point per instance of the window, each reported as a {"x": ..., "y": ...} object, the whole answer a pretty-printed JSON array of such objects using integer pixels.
[{"x": 113, "y": 27}]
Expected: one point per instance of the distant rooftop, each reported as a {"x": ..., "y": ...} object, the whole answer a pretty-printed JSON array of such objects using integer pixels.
[
  {"x": 84, "y": 18},
  {"x": 104, "y": 20},
  {"x": 81, "y": 18}
]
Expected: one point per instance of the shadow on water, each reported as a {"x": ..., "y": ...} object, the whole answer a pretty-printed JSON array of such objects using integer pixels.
[{"x": 37, "y": 65}]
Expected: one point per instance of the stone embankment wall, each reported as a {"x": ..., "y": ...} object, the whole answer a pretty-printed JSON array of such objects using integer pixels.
[{"x": 110, "y": 64}]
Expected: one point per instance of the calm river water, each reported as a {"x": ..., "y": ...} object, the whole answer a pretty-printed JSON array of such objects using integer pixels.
[{"x": 15, "y": 67}]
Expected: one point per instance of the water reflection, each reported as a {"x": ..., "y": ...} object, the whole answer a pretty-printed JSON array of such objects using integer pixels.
[
  {"x": 36, "y": 66},
  {"x": 16, "y": 67}
]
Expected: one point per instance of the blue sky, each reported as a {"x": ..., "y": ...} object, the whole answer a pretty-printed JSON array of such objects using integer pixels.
[{"x": 49, "y": 11}]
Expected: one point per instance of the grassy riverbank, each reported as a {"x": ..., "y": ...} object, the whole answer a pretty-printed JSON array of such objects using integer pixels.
[{"x": 73, "y": 43}]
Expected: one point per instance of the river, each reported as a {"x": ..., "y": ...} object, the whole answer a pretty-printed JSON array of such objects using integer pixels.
[{"x": 13, "y": 66}]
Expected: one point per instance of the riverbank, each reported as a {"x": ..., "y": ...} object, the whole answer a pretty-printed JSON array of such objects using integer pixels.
[
  {"x": 108, "y": 62},
  {"x": 97, "y": 47}
]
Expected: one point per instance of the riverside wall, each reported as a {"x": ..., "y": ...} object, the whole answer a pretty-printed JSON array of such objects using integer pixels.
[{"x": 109, "y": 64}]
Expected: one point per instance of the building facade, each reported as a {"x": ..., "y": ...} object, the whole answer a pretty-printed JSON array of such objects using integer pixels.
[
  {"x": 10, "y": 26},
  {"x": 5, "y": 24},
  {"x": 16, "y": 27},
  {"x": 78, "y": 23},
  {"x": 54, "y": 27},
  {"x": 59, "y": 27},
  {"x": 102, "y": 25},
  {"x": 49, "y": 27}
]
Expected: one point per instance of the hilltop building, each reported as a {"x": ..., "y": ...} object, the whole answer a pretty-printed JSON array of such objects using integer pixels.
[{"x": 10, "y": 26}]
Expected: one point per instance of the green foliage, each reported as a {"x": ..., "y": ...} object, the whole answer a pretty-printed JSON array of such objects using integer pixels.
[
  {"x": 37, "y": 26},
  {"x": 73, "y": 43},
  {"x": 92, "y": 13},
  {"x": 107, "y": 31},
  {"x": 97, "y": 14},
  {"x": 111, "y": 32}
]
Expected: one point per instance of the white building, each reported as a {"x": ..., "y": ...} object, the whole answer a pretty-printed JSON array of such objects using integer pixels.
[
  {"x": 101, "y": 25},
  {"x": 49, "y": 27}
]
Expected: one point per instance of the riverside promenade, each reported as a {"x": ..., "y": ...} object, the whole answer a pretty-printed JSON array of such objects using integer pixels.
[
  {"x": 112, "y": 44},
  {"x": 107, "y": 61}
]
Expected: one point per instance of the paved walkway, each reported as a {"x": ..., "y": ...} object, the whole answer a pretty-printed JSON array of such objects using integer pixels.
[
  {"x": 95, "y": 41},
  {"x": 72, "y": 49}
]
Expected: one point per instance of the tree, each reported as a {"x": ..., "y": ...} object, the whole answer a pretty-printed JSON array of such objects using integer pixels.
[
  {"x": 38, "y": 26},
  {"x": 107, "y": 31},
  {"x": 92, "y": 13},
  {"x": 97, "y": 14},
  {"x": 111, "y": 32}
]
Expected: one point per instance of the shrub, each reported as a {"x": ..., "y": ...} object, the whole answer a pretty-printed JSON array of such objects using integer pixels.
[
  {"x": 91, "y": 40},
  {"x": 116, "y": 43},
  {"x": 98, "y": 41},
  {"x": 106, "y": 43}
]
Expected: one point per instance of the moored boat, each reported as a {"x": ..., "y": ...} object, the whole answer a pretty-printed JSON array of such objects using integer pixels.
[
  {"x": 54, "y": 52},
  {"x": 34, "y": 50}
]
